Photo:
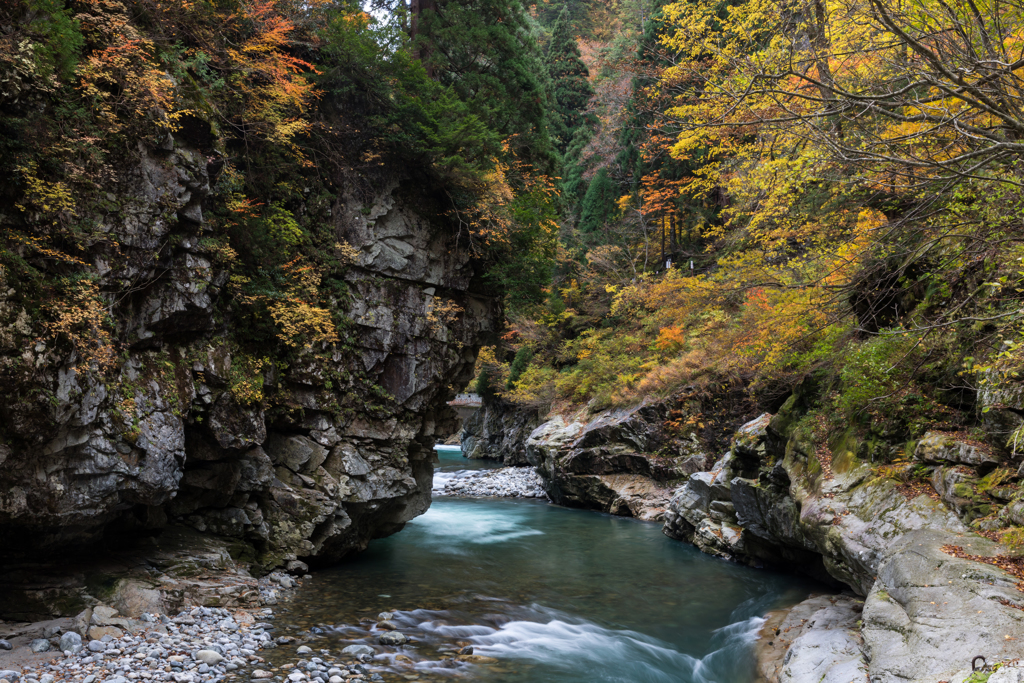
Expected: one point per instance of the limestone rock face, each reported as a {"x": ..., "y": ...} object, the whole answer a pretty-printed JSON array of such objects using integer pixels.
[
  {"x": 926, "y": 613},
  {"x": 334, "y": 448}
]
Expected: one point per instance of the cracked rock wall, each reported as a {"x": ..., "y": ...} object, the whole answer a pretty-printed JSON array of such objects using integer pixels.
[{"x": 336, "y": 452}]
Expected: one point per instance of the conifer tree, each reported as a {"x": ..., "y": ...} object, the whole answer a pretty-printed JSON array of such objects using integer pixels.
[
  {"x": 569, "y": 76},
  {"x": 599, "y": 204},
  {"x": 484, "y": 50}
]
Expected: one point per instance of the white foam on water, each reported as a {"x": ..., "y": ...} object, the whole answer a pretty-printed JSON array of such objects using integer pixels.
[
  {"x": 448, "y": 527},
  {"x": 588, "y": 651}
]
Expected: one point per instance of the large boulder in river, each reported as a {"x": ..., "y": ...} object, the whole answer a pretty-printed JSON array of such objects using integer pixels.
[{"x": 602, "y": 464}]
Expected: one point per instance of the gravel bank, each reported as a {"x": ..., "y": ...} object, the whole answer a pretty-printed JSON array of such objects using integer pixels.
[
  {"x": 507, "y": 482},
  {"x": 200, "y": 645}
]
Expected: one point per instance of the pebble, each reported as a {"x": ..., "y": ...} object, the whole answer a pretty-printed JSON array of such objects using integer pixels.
[
  {"x": 392, "y": 638},
  {"x": 200, "y": 645},
  {"x": 4, "y": 645},
  {"x": 209, "y": 657},
  {"x": 507, "y": 482},
  {"x": 39, "y": 645}
]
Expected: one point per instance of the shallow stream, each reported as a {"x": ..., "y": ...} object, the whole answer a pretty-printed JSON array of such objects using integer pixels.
[{"x": 553, "y": 595}]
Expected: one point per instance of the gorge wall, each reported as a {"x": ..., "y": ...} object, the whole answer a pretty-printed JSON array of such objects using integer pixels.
[
  {"x": 899, "y": 539},
  {"x": 304, "y": 458}
]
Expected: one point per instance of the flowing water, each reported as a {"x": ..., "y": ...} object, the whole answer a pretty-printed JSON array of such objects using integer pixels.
[{"x": 552, "y": 595}]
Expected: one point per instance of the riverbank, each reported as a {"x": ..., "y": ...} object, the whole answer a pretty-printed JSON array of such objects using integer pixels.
[{"x": 211, "y": 645}]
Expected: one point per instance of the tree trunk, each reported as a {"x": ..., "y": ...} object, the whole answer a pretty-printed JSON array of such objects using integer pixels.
[{"x": 420, "y": 45}]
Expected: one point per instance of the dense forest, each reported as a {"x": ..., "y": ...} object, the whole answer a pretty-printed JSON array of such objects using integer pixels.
[
  {"x": 766, "y": 195},
  {"x": 670, "y": 195}
]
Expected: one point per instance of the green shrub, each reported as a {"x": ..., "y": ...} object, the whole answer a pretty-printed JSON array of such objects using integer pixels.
[{"x": 519, "y": 363}]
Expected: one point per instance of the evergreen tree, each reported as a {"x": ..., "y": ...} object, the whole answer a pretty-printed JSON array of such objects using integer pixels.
[
  {"x": 549, "y": 11},
  {"x": 484, "y": 50},
  {"x": 569, "y": 76},
  {"x": 599, "y": 204}
]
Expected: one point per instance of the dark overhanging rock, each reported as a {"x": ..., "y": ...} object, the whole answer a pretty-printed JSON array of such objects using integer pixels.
[{"x": 169, "y": 440}]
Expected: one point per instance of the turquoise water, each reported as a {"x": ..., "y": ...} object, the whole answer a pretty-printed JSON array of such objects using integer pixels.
[
  {"x": 553, "y": 595},
  {"x": 452, "y": 460}
]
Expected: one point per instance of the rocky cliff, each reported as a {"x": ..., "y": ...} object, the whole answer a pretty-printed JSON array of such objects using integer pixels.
[
  {"x": 896, "y": 536},
  {"x": 303, "y": 457},
  {"x": 498, "y": 431}
]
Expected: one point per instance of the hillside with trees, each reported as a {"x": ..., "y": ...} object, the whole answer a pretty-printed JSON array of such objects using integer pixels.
[{"x": 827, "y": 191}]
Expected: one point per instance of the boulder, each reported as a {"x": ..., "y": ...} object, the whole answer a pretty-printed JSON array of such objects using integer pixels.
[
  {"x": 71, "y": 642},
  {"x": 102, "y": 614},
  {"x": 209, "y": 657},
  {"x": 297, "y": 453},
  {"x": 98, "y": 632},
  {"x": 82, "y": 622},
  {"x": 392, "y": 638},
  {"x": 133, "y": 598},
  {"x": 935, "y": 447}
]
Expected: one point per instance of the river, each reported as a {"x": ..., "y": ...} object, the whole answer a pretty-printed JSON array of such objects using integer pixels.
[{"x": 554, "y": 595}]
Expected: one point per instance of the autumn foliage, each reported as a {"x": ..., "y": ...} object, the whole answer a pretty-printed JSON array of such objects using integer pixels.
[{"x": 803, "y": 187}]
